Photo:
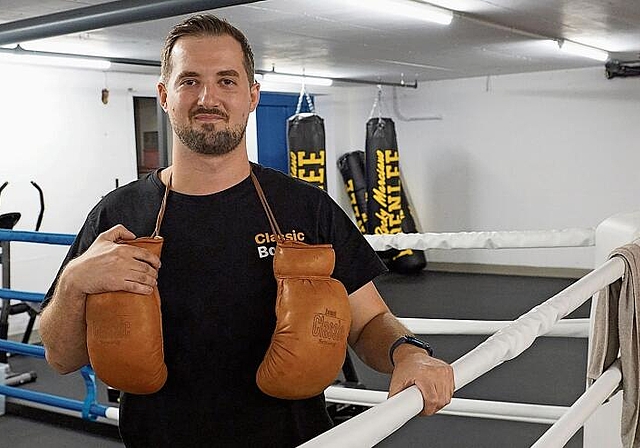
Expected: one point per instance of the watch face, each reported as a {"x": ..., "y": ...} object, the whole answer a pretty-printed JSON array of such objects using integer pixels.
[
  {"x": 419, "y": 343},
  {"x": 407, "y": 339}
]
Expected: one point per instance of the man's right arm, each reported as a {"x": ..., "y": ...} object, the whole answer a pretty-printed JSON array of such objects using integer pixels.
[
  {"x": 105, "y": 267},
  {"x": 63, "y": 329}
]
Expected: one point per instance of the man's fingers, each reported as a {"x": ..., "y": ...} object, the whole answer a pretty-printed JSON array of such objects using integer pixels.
[
  {"x": 118, "y": 232},
  {"x": 138, "y": 254},
  {"x": 146, "y": 267},
  {"x": 396, "y": 386},
  {"x": 137, "y": 288},
  {"x": 142, "y": 278},
  {"x": 142, "y": 255},
  {"x": 148, "y": 258},
  {"x": 434, "y": 400}
]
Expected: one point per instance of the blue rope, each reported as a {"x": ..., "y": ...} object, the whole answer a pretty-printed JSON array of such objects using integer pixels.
[
  {"x": 89, "y": 408},
  {"x": 11, "y": 294},
  {"x": 21, "y": 349},
  {"x": 96, "y": 410},
  {"x": 37, "y": 237}
]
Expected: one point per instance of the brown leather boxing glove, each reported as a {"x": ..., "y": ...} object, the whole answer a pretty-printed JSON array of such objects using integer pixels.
[
  {"x": 309, "y": 343},
  {"x": 124, "y": 335}
]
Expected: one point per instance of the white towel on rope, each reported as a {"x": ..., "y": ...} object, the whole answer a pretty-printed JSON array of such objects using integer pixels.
[{"x": 617, "y": 316}]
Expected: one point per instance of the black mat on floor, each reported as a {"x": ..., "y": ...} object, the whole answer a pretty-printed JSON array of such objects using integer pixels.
[{"x": 550, "y": 372}]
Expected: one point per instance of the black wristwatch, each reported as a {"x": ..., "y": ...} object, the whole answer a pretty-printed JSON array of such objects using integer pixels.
[{"x": 407, "y": 339}]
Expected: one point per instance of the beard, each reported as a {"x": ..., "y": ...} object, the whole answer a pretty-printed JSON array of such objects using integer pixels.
[{"x": 209, "y": 141}]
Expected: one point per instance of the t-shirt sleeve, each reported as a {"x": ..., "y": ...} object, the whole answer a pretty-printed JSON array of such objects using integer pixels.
[
  {"x": 83, "y": 240},
  {"x": 356, "y": 261}
]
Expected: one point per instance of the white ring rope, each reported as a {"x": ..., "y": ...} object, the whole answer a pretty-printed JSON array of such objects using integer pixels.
[
  {"x": 375, "y": 424},
  {"x": 485, "y": 240},
  {"x": 496, "y": 410},
  {"x": 566, "y": 328},
  {"x": 111, "y": 414},
  {"x": 512, "y": 340},
  {"x": 559, "y": 434}
]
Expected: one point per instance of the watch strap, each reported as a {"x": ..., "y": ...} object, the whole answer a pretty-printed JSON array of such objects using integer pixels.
[{"x": 408, "y": 339}]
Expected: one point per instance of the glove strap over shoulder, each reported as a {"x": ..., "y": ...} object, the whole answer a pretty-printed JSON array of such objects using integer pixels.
[
  {"x": 163, "y": 206},
  {"x": 263, "y": 200}
]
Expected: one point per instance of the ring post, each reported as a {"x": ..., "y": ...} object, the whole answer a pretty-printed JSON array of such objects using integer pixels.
[{"x": 603, "y": 428}]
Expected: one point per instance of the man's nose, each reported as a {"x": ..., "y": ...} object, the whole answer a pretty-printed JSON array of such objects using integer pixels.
[{"x": 208, "y": 96}]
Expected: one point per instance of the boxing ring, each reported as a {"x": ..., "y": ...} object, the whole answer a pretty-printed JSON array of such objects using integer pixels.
[
  {"x": 89, "y": 408},
  {"x": 507, "y": 341},
  {"x": 510, "y": 340}
]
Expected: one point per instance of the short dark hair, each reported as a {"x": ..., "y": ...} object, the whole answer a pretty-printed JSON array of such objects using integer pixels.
[{"x": 205, "y": 25}]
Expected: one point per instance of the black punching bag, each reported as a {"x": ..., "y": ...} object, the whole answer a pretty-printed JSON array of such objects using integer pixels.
[
  {"x": 351, "y": 166},
  {"x": 305, "y": 141},
  {"x": 386, "y": 213},
  {"x": 408, "y": 261}
]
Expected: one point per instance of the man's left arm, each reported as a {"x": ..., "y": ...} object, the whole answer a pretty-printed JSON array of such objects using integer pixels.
[{"x": 374, "y": 330}]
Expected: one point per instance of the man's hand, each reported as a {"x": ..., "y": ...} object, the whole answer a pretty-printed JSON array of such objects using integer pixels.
[
  {"x": 108, "y": 266},
  {"x": 432, "y": 376}
]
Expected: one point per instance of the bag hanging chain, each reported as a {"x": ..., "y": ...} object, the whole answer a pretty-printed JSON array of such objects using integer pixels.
[
  {"x": 377, "y": 103},
  {"x": 303, "y": 92}
]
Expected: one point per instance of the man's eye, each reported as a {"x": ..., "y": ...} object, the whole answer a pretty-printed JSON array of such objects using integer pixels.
[
  {"x": 228, "y": 82},
  {"x": 188, "y": 82}
]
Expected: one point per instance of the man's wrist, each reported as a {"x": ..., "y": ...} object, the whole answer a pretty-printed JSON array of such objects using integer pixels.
[
  {"x": 409, "y": 340},
  {"x": 67, "y": 286}
]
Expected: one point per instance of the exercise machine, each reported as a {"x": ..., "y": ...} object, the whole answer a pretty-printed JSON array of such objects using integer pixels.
[{"x": 7, "y": 222}]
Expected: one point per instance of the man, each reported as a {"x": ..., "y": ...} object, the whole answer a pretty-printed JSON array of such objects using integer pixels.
[{"x": 216, "y": 283}]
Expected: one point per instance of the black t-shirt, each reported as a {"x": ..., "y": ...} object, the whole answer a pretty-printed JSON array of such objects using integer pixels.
[{"x": 218, "y": 294}]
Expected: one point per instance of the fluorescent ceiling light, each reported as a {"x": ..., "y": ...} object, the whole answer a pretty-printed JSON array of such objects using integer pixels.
[
  {"x": 295, "y": 79},
  {"x": 57, "y": 61},
  {"x": 583, "y": 50},
  {"x": 415, "y": 9}
]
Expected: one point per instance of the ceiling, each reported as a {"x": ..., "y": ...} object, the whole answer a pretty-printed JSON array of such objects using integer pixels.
[{"x": 346, "y": 39}]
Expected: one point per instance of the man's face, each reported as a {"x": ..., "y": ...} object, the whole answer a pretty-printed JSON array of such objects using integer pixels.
[{"x": 207, "y": 96}]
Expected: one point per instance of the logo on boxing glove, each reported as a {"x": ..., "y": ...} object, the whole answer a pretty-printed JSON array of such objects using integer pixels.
[
  {"x": 112, "y": 332},
  {"x": 328, "y": 327}
]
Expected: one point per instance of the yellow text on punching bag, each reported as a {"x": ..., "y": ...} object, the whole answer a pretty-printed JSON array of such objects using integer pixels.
[
  {"x": 309, "y": 166},
  {"x": 387, "y": 192},
  {"x": 361, "y": 218}
]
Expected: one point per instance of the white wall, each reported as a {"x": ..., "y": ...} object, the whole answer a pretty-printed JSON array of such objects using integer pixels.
[
  {"x": 532, "y": 151},
  {"x": 519, "y": 152},
  {"x": 57, "y": 132}
]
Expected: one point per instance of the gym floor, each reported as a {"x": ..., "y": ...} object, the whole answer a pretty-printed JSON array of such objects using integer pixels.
[{"x": 550, "y": 372}]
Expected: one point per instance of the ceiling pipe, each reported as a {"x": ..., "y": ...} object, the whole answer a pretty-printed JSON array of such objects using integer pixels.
[
  {"x": 104, "y": 15},
  {"x": 150, "y": 63}
]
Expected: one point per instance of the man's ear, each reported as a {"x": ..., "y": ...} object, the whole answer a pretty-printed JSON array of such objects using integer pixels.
[
  {"x": 162, "y": 95},
  {"x": 254, "y": 91}
]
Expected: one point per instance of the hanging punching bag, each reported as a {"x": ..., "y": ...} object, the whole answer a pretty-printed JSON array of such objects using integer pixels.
[
  {"x": 385, "y": 211},
  {"x": 408, "y": 261},
  {"x": 351, "y": 166},
  {"x": 305, "y": 141},
  {"x": 384, "y": 203}
]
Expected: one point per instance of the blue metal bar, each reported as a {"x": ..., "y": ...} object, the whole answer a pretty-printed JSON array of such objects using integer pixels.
[
  {"x": 12, "y": 294},
  {"x": 89, "y": 377},
  {"x": 26, "y": 236},
  {"x": 52, "y": 400},
  {"x": 22, "y": 349},
  {"x": 88, "y": 408}
]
